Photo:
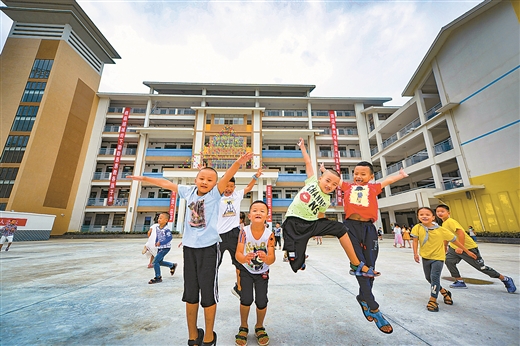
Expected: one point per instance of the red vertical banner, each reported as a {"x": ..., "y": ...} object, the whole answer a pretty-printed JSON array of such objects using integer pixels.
[
  {"x": 334, "y": 131},
  {"x": 117, "y": 156},
  {"x": 269, "y": 202},
  {"x": 173, "y": 201}
]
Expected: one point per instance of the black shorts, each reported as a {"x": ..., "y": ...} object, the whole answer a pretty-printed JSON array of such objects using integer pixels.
[
  {"x": 259, "y": 283},
  {"x": 297, "y": 233},
  {"x": 201, "y": 275},
  {"x": 229, "y": 242}
]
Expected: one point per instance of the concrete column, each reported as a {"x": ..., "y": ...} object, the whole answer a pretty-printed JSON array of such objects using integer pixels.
[
  {"x": 391, "y": 217},
  {"x": 261, "y": 188},
  {"x": 311, "y": 149},
  {"x": 459, "y": 153},
  {"x": 198, "y": 142},
  {"x": 309, "y": 114},
  {"x": 422, "y": 199},
  {"x": 364, "y": 146},
  {"x": 421, "y": 107},
  {"x": 147, "y": 114},
  {"x": 429, "y": 143},
  {"x": 445, "y": 99},
  {"x": 135, "y": 187}
]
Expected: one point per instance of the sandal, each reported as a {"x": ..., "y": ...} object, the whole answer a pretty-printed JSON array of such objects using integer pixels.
[
  {"x": 155, "y": 280},
  {"x": 261, "y": 336},
  {"x": 172, "y": 269},
  {"x": 364, "y": 308},
  {"x": 212, "y": 342},
  {"x": 447, "y": 297},
  {"x": 380, "y": 321},
  {"x": 198, "y": 341},
  {"x": 358, "y": 271},
  {"x": 241, "y": 337},
  {"x": 432, "y": 306}
]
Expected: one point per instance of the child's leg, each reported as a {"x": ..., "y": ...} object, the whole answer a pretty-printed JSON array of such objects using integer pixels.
[
  {"x": 209, "y": 319},
  {"x": 191, "y": 319}
]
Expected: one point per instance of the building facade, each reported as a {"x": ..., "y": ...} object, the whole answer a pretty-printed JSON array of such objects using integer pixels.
[{"x": 457, "y": 137}]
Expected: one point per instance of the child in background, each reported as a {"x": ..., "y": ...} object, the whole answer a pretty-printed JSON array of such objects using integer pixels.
[
  {"x": 200, "y": 245},
  {"x": 163, "y": 239},
  {"x": 455, "y": 254},
  {"x": 406, "y": 236},
  {"x": 256, "y": 252}
]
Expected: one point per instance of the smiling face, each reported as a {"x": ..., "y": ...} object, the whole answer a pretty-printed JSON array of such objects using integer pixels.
[
  {"x": 426, "y": 216},
  {"x": 258, "y": 213},
  {"x": 205, "y": 181},
  {"x": 362, "y": 175},
  {"x": 442, "y": 213},
  {"x": 328, "y": 182},
  {"x": 230, "y": 188}
]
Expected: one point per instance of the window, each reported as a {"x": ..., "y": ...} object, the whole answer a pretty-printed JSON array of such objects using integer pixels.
[
  {"x": 3, "y": 206},
  {"x": 277, "y": 193},
  {"x": 151, "y": 194},
  {"x": 7, "y": 178},
  {"x": 290, "y": 170},
  {"x": 274, "y": 147},
  {"x": 33, "y": 91},
  {"x": 186, "y": 146},
  {"x": 119, "y": 220},
  {"x": 14, "y": 149},
  {"x": 290, "y": 194},
  {"x": 164, "y": 193},
  {"x": 41, "y": 69},
  {"x": 24, "y": 119},
  {"x": 289, "y": 147}
]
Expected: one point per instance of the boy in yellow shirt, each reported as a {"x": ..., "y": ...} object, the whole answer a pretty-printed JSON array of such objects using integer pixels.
[{"x": 432, "y": 238}]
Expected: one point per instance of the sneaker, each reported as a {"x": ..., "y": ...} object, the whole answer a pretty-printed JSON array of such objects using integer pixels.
[
  {"x": 236, "y": 292},
  {"x": 458, "y": 284},
  {"x": 6, "y": 249},
  {"x": 510, "y": 285}
]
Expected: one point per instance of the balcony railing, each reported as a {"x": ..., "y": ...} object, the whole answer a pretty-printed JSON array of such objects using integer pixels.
[
  {"x": 111, "y": 151},
  {"x": 115, "y": 129},
  {"x": 348, "y": 132},
  {"x": 153, "y": 202},
  {"x": 443, "y": 146},
  {"x": 394, "y": 168},
  {"x": 378, "y": 175},
  {"x": 285, "y": 177},
  {"x": 416, "y": 158},
  {"x": 281, "y": 153},
  {"x": 371, "y": 128},
  {"x": 286, "y": 113},
  {"x": 169, "y": 152},
  {"x": 348, "y": 153},
  {"x": 345, "y": 176},
  {"x": 430, "y": 113},
  {"x": 389, "y": 140},
  {"x": 453, "y": 183},
  {"x": 133, "y": 110},
  {"x": 107, "y": 175},
  {"x": 374, "y": 150},
  {"x": 410, "y": 127},
  {"x": 172, "y": 111},
  {"x": 102, "y": 202},
  {"x": 103, "y": 228}
]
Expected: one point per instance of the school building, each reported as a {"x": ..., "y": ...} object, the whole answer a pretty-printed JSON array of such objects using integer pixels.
[{"x": 68, "y": 147}]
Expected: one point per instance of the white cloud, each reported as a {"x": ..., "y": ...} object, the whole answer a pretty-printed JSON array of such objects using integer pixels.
[{"x": 344, "y": 48}]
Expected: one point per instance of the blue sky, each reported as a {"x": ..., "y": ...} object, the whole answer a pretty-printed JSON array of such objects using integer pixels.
[{"x": 345, "y": 48}]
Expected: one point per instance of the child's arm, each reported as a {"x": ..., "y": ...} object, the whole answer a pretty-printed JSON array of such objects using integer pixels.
[
  {"x": 166, "y": 184},
  {"x": 461, "y": 238},
  {"x": 239, "y": 254},
  {"x": 461, "y": 246},
  {"x": 306, "y": 159},
  {"x": 390, "y": 180},
  {"x": 252, "y": 183},
  {"x": 415, "y": 253},
  {"x": 232, "y": 170},
  {"x": 268, "y": 258}
]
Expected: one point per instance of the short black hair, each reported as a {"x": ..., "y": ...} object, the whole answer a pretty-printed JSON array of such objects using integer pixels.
[
  {"x": 366, "y": 164},
  {"x": 232, "y": 180},
  {"x": 443, "y": 206},
  {"x": 333, "y": 171},
  {"x": 421, "y": 208},
  {"x": 165, "y": 213},
  {"x": 210, "y": 168},
  {"x": 257, "y": 202}
]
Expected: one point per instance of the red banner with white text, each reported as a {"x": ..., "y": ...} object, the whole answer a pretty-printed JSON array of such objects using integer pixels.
[
  {"x": 117, "y": 156},
  {"x": 173, "y": 202},
  {"x": 269, "y": 202},
  {"x": 334, "y": 132}
]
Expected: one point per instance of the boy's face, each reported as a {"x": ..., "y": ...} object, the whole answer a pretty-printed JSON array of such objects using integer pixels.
[
  {"x": 206, "y": 180},
  {"x": 425, "y": 216},
  {"x": 442, "y": 213},
  {"x": 277, "y": 225},
  {"x": 230, "y": 188},
  {"x": 163, "y": 219},
  {"x": 362, "y": 175},
  {"x": 258, "y": 213},
  {"x": 328, "y": 182}
]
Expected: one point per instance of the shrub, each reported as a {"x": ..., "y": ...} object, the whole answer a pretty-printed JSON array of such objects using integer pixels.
[{"x": 499, "y": 234}]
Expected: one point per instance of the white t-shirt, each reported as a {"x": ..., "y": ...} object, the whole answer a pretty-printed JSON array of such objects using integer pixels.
[
  {"x": 229, "y": 211},
  {"x": 256, "y": 266}
]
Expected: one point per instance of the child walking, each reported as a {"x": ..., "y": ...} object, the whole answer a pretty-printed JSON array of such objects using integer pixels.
[
  {"x": 256, "y": 252},
  {"x": 455, "y": 254},
  {"x": 163, "y": 242},
  {"x": 200, "y": 245},
  {"x": 431, "y": 238},
  {"x": 361, "y": 211},
  {"x": 305, "y": 218}
]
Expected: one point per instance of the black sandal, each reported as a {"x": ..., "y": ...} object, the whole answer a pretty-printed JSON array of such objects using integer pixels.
[
  {"x": 172, "y": 269},
  {"x": 155, "y": 280},
  {"x": 213, "y": 342},
  {"x": 261, "y": 334},
  {"x": 198, "y": 341},
  {"x": 241, "y": 337},
  {"x": 447, "y": 297},
  {"x": 432, "y": 306}
]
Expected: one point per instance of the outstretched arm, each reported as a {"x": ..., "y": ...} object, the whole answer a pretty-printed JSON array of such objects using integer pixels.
[
  {"x": 252, "y": 183},
  {"x": 306, "y": 159},
  {"x": 390, "y": 180},
  {"x": 232, "y": 170},
  {"x": 166, "y": 184},
  {"x": 461, "y": 246}
]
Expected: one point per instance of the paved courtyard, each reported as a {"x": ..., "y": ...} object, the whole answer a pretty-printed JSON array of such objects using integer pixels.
[{"x": 95, "y": 292}]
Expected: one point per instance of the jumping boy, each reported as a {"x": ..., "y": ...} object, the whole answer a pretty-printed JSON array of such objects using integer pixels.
[
  {"x": 163, "y": 243},
  {"x": 431, "y": 238},
  {"x": 229, "y": 223},
  {"x": 8, "y": 234},
  {"x": 361, "y": 211},
  {"x": 305, "y": 218},
  {"x": 200, "y": 240},
  {"x": 455, "y": 253},
  {"x": 255, "y": 251}
]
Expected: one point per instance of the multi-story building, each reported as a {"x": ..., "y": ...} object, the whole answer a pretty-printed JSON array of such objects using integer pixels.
[{"x": 457, "y": 137}]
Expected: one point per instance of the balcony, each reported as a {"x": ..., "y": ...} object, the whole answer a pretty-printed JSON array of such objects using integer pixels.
[
  {"x": 416, "y": 158},
  {"x": 281, "y": 154},
  {"x": 452, "y": 183},
  {"x": 430, "y": 113},
  {"x": 112, "y": 151},
  {"x": 389, "y": 140},
  {"x": 394, "y": 168},
  {"x": 116, "y": 129},
  {"x": 374, "y": 150},
  {"x": 102, "y": 202},
  {"x": 108, "y": 175},
  {"x": 153, "y": 202},
  {"x": 350, "y": 153},
  {"x": 284, "y": 177},
  {"x": 443, "y": 146},
  {"x": 410, "y": 127},
  {"x": 169, "y": 152},
  {"x": 153, "y": 174},
  {"x": 345, "y": 176},
  {"x": 281, "y": 202},
  {"x": 103, "y": 228},
  {"x": 172, "y": 111}
]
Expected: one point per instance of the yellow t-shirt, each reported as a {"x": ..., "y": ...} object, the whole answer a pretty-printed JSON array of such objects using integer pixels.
[
  {"x": 432, "y": 242},
  {"x": 452, "y": 225}
]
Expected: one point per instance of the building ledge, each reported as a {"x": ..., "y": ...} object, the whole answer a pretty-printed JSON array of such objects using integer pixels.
[
  {"x": 447, "y": 107},
  {"x": 459, "y": 190}
]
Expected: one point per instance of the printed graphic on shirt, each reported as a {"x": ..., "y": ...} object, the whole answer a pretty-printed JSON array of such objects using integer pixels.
[
  {"x": 230, "y": 209},
  {"x": 197, "y": 218},
  {"x": 316, "y": 202},
  {"x": 359, "y": 195},
  {"x": 256, "y": 263}
]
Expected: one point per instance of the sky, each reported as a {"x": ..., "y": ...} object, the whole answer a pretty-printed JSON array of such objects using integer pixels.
[{"x": 344, "y": 48}]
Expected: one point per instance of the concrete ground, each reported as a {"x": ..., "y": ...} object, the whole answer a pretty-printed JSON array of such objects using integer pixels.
[{"x": 95, "y": 292}]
